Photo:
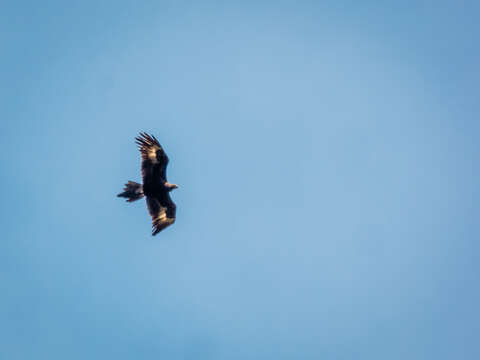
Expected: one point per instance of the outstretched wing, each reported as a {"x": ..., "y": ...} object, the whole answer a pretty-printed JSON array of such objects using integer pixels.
[
  {"x": 154, "y": 159},
  {"x": 162, "y": 212}
]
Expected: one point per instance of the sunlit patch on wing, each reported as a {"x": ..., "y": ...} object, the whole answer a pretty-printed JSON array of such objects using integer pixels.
[
  {"x": 152, "y": 154},
  {"x": 161, "y": 221}
]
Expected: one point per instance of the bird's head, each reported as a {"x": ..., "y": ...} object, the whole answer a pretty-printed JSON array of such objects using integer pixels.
[{"x": 170, "y": 187}]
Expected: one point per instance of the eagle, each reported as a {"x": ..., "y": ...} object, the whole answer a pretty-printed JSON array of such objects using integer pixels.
[{"x": 155, "y": 188}]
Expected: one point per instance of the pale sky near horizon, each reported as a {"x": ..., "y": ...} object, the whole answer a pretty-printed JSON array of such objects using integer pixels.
[{"x": 327, "y": 157}]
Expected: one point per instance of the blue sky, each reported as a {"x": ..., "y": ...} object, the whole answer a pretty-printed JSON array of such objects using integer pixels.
[{"x": 327, "y": 157}]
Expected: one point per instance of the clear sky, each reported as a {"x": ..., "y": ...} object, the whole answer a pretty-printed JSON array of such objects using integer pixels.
[{"x": 327, "y": 156}]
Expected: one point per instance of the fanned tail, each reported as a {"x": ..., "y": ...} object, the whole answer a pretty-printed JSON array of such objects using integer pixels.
[{"x": 132, "y": 191}]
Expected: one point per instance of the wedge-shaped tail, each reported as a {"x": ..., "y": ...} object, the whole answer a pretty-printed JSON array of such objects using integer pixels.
[{"x": 132, "y": 191}]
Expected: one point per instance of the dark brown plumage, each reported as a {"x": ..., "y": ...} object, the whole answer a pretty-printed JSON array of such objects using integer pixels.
[{"x": 155, "y": 186}]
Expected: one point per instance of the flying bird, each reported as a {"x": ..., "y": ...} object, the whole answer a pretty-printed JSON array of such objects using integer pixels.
[{"x": 155, "y": 186}]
